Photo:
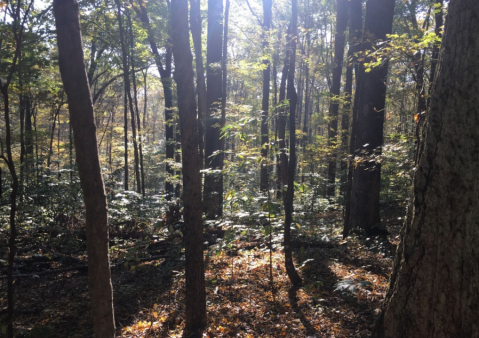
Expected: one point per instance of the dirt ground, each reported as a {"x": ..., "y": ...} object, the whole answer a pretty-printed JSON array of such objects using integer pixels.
[{"x": 344, "y": 283}]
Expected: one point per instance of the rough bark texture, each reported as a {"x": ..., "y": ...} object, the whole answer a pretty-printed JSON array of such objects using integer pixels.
[
  {"x": 434, "y": 289},
  {"x": 371, "y": 92},
  {"x": 184, "y": 77},
  {"x": 267, "y": 13},
  {"x": 339, "y": 40},
  {"x": 288, "y": 203},
  {"x": 213, "y": 161},
  {"x": 75, "y": 81}
]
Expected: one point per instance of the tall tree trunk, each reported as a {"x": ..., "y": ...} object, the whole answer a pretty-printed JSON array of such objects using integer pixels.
[
  {"x": 283, "y": 158},
  {"x": 17, "y": 26},
  {"x": 434, "y": 288},
  {"x": 126, "y": 79},
  {"x": 371, "y": 91},
  {"x": 184, "y": 77},
  {"x": 137, "y": 112},
  {"x": 196, "y": 28},
  {"x": 355, "y": 36},
  {"x": 22, "y": 140},
  {"x": 8, "y": 158},
  {"x": 213, "y": 160},
  {"x": 267, "y": 13},
  {"x": 75, "y": 81},
  {"x": 165, "y": 75},
  {"x": 125, "y": 133},
  {"x": 224, "y": 69},
  {"x": 339, "y": 40},
  {"x": 288, "y": 205}
]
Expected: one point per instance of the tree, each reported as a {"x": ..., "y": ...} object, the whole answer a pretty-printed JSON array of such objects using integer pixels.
[
  {"x": 196, "y": 28},
  {"x": 126, "y": 79},
  {"x": 165, "y": 75},
  {"x": 369, "y": 106},
  {"x": 267, "y": 4},
  {"x": 281, "y": 126},
  {"x": 339, "y": 40},
  {"x": 75, "y": 81},
  {"x": 17, "y": 26},
  {"x": 288, "y": 201},
  {"x": 434, "y": 288},
  {"x": 184, "y": 78},
  {"x": 355, "y": 27},
  {"x": 214, "y": 79}
]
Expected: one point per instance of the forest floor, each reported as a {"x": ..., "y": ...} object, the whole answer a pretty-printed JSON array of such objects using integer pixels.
[{"x": 344, "y": 283}]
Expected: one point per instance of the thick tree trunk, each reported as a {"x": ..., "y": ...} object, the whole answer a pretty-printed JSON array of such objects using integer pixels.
[
  {"x": 288, "y": 204},
  {"x": 434, "y": 290},
  {"x": 184, "y": 77},
  {"x": 339, "y": 40},
  {"x": 371, "y": 93},
  {"x": 213, "y": 160},
  {"x": 267, "y": 13},
  {"x": 75, "y": 81}
]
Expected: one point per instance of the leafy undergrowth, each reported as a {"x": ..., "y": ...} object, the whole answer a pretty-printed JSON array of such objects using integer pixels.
[{"x": 344, "y": 283}]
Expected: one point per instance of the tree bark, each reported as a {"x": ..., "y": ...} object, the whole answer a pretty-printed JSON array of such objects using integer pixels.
[
  {"x": 355, "y": 36},
  {"x": 196, "y": 28},
  {"x": 126, "y": 79},
  {"x": 213, "y": 160},
  {"x": 75, "y": 81},
  {"x": 17, "y": 26},
  {"x": 267, "y": 13},
  {"x": 195, "y": 279},
  {"x": 339, "y": 41},
  {"x": 288, "y": 205},
  {"x": 137, "y": 112},
  {"x": 434, "y": 290},
  {"x": 283, "y": 158},
  {"x": 371, "y": 91},
  {"x": 165, "y": 75},
  {"x": 125, "y": 133}
]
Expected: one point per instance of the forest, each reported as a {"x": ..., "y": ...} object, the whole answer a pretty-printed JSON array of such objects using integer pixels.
[{"x": 239, "y": 168}]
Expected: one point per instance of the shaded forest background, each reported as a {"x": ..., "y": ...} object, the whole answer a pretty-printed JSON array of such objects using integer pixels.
[{"x": 275, "y": 86}]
